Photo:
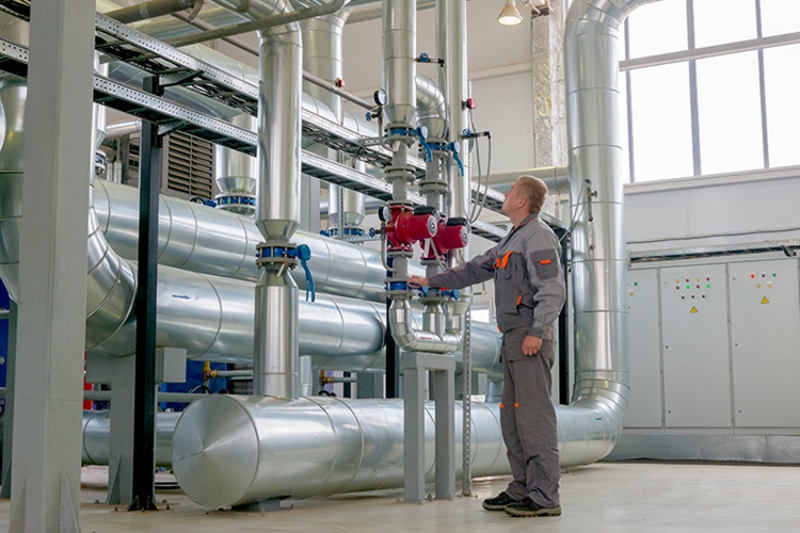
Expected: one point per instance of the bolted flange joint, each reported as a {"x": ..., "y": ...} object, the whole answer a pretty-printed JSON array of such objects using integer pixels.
[{"x": 280, "y": 253}]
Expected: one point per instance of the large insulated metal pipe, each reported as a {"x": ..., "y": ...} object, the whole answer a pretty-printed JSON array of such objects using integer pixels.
[
  {"x": 200, "y": 239},
  {"x": 593, "y": 423},
  {"x": 12, "y": 100},
  {"x": 322, "y": 56},
  {"x": 97, "y": 437},
  {"x": 431, "y": 108},
  {"x": 230, "y": 450}
]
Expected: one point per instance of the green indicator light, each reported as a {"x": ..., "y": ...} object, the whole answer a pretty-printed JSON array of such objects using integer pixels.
[
  {"x": 774, "y": 275},
  {"x": 688, "y": 286},
  {"x": 635, "y": 283},
  {"x": 708, "y": 286}
]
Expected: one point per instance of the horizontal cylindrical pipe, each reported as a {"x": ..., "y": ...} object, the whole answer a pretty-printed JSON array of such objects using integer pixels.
[
  {"x": 212, "y": 241},
  {"x": 123, "y": 128},
  {"x": 358, "y": 445},
  {"x": 151, "y": 9},
  {"x": 97, "y": 437}
]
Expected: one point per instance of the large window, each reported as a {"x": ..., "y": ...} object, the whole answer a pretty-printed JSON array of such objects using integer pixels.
[{"x": 710, "y": 87}]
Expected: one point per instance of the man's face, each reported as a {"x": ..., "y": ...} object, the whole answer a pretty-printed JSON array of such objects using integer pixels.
[{"x": 511, "y": 203}]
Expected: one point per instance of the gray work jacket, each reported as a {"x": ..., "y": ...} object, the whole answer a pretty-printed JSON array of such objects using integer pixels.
[{"x": 528, "y": 278}]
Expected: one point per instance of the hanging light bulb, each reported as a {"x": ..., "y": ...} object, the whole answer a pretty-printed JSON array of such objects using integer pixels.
[{"x": 509, "y": 15}]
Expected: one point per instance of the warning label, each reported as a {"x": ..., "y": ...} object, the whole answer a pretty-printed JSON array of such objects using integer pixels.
[
  {"x": 694, "y": 310},
  {"x": 764, "y": 300}
]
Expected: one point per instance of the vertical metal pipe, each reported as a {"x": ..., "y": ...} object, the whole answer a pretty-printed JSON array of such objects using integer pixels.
[
  {"x": 593, "y": 424},
  {"x": 451, "y": 44},
  {"x": 278, "y": 202},
  {"x": 399, "y": 67}
]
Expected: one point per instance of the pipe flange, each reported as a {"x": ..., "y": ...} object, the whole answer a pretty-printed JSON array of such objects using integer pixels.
[
  {"x": 400, "y": 131},
  {"x": 406, "y": 173},
  {"x": 275, "y": 253},
  {"x": 399, "y": 294},
  {"x": 436, "y": 186},
  {"x": 407, "y": 252}
]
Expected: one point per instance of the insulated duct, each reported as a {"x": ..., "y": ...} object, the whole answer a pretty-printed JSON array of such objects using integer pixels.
[
  {"x": 200, "y": 239},
  {"x": 593, "y": 423},
  {"x": 229, "y": 450}
]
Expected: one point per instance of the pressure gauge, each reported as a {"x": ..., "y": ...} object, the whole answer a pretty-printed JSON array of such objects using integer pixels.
[{"x": 380, "y": 97}]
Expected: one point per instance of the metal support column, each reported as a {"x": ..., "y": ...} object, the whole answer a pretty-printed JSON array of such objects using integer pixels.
[
  {"x": 146, "y": 296},
  {"x": 50, "y": 335},
  {"x": 414, "y": 366},
  {"x": 116, "y": 371}
]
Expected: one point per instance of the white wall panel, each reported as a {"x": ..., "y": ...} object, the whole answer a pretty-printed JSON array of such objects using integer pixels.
[
  {"x": 645, "y": 406},
  {"x": 696, "y": 357},
  {"x": 765, "y": 334}
]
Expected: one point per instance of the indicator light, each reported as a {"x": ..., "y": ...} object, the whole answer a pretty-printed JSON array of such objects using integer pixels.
[
  {"x": 708, "y": 285},
  {"x": 688, "y": 286}
]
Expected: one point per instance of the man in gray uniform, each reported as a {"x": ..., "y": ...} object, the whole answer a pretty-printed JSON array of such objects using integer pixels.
[{"x": 529, "y": 294}]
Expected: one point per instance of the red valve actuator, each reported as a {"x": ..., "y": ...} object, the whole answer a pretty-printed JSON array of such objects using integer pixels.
[
  {"x": 407, "y": 227},
  {"x": 451, "y": 237}
]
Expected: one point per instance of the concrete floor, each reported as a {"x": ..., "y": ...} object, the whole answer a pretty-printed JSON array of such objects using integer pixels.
[{"x": 614, "y": 497}]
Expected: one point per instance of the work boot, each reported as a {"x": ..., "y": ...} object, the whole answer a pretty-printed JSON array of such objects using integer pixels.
[
  {"x": 499, "y": 502},
  {"x": 527, "y": 507}
]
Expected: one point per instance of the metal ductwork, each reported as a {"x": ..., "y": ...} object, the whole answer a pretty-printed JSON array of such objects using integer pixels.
[
  {"x": 229, "y": 450},
  {"x": 593, "y": 423},
  {"x": 200, "y": 239},
  {"x": 97, "y": 437}
]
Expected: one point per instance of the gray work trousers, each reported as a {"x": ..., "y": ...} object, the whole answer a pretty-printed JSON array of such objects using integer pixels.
[{"x": 528, "y": 420}]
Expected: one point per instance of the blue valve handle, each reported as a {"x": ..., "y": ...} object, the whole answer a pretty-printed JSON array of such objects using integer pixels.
[
  {"x": 303, "y": 253},
  {"x": 453, "y": 147},
  {"x": 426, "y": 146}
]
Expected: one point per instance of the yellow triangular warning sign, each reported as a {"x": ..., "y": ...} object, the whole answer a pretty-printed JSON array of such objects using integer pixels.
[
  {"x": 764, "y": 300},
  {"x": 694, "y": 310}
]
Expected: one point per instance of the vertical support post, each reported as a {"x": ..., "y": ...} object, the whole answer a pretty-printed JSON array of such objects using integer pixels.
[
  {"x": 445, "y": 389},
  {"x": 466, "y": 407},
  {"x": 414, "y": 434},
  {"x": 48, "y": 391},
  {"x": 414, "y": 366},
  {"x": 146, "y": 296}
]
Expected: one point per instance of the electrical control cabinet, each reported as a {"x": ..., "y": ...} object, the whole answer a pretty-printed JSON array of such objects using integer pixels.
[
  {"x": 765, "y": 337},
  {"x": 644, "y": 406},
  {"x": 697, "y": 377}
]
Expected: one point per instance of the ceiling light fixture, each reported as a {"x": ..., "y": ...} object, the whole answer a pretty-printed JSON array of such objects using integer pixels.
[{"x": 509, "y": 15}]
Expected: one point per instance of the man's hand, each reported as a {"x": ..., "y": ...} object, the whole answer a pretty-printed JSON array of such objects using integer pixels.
[
  {"x": 417, "y": 281},
  {"x": 531, "y": 345}
]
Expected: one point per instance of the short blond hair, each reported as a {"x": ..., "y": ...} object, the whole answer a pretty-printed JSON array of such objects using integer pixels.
[{"x": 535, "y": 190}]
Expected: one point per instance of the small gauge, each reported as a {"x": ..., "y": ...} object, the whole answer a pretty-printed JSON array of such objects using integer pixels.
[
  {"x": 385, "y": 214},
  {"x": 380, "y": 97}
]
